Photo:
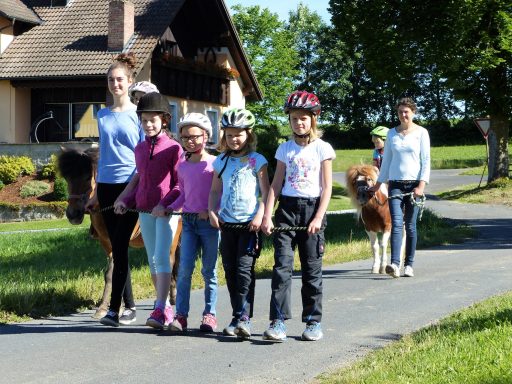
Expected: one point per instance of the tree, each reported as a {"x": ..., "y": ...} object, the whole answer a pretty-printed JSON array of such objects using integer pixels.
[
  {"x": 464, "y": 46},
  {"x": 272, "y": 55}
]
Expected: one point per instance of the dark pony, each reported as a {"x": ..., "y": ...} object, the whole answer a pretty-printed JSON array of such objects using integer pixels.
[{"x": 78, "y": 168}]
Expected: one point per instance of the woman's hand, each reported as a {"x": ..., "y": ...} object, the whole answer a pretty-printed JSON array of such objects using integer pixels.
[
  {"x": 419, "y": 190},
  {"x": 92, "y": 204},
  {"x": 375, "y": 187},
  {"x": 203, "y": 215},
  {"x": 119, "y": 207}
]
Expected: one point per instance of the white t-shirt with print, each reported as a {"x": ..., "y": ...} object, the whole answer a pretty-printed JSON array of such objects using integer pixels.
[{"x": 303, "y": 167}]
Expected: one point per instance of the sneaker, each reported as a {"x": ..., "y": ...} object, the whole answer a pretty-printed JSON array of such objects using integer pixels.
[
  {"x": 408, "y": 271},
  {"x": 111, "y": 318},
  {"x": 169, "y": 315},
  {"x": 156, "y": 319},
  {"x": 392, "y": 270},
  {"x": 179, "y": 324},
  {"x": 128, "y": 316},
  {"x": 313, "y": 331},
  {"x": 209, "y": 323},
  {"x": 230, "y": 328},
  {"x": 243, "y": 327},
  {"x": 276, "y": 331}
]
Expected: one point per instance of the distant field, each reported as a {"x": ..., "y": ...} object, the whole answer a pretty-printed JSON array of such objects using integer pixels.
[{"x": 441, "y": 157}]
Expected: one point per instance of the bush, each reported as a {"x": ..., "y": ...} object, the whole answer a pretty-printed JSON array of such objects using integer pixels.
[
  {"x": 34, "y": 188},
  {"x": 1, "y": 185},
  {"x": 12, "y": 167},
  {"x": 48, "y": 171},
  {"x": 60, "y": 189}
]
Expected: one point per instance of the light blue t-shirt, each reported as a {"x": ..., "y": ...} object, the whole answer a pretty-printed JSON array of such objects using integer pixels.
[
  {"x": 240, "y": 186},
  {"x": 119, "y": 134}
]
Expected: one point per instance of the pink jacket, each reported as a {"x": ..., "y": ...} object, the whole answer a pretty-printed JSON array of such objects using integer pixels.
[{"x": 156, "y": 159}]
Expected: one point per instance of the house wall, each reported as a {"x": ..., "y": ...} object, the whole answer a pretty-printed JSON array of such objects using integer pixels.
[
  {"x": 14, "y": 113},
  {"x": 6, "y": 33}
]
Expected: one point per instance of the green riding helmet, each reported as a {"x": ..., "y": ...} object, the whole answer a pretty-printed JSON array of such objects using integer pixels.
[
  {"x": 238, "y": 118},
  {"x": 380, "y": 131}
]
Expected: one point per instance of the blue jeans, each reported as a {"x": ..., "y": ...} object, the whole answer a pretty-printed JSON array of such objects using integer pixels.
[
  {"x": 197, "y": 235},
  {"x": 402, "y": 211}
]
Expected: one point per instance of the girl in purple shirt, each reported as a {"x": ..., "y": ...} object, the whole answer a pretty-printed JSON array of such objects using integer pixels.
[
  {"x": 156, "y": 159},
  {"x": 195, "y": 179}
]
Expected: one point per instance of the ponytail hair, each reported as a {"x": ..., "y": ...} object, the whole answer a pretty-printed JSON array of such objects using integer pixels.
[{"x": 125, "y": 61}]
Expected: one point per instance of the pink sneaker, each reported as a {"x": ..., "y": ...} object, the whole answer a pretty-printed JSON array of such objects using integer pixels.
[
  {"x": 156, "y": 319},
  {"x": 179, "y": 324},
  {"x": 169, "y": 315},
  {"x": 209, "y": 323}
]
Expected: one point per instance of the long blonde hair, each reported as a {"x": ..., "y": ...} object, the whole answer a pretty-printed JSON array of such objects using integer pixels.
[{"x": 250, "y": 144}]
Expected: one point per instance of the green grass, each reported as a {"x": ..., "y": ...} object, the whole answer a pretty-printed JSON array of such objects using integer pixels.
[
  {"x": 42, "y": 224},
  {"x": 470, "y": 346},
  {"x": 441, "y": 157}
]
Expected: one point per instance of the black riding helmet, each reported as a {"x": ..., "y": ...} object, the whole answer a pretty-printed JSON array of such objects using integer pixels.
[{"x": 153, "y": 102}]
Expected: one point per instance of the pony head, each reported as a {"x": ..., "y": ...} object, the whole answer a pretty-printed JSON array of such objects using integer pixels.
[
  {"x": 359, "y": 179},
  {"x": 77, "y": 168}
]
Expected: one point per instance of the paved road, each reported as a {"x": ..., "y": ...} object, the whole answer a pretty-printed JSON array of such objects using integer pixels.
[{"x": 361, "y": 312}]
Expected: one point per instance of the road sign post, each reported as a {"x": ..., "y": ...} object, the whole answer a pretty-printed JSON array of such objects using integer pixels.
[{"x": 484, "y": 125}]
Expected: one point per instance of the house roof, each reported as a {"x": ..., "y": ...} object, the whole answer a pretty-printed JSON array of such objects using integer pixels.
[
  {"x": 16, "y": 10},
  {"x": 72, "y": 41}
]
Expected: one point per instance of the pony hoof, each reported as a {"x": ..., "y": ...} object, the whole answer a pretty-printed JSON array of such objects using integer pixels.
[
  {"x": 375, "y": 269},
  {"x": 100, "y": 312},
  {"x": 382, "y": 270}
]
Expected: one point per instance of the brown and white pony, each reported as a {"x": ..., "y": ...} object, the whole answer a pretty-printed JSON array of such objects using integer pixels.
[
  {"x": 78, "y": 168},
  {"x": 373, "y": 209}
]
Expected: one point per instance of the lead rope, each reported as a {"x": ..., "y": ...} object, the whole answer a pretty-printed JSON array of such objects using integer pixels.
[{"x": 420, "y": 203}]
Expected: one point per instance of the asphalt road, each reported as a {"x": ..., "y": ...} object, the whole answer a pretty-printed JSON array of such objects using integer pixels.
[{"x": 361, "y": 312}]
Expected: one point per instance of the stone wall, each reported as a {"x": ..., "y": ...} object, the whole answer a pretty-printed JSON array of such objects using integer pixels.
[{"x": 40, "y": 152}]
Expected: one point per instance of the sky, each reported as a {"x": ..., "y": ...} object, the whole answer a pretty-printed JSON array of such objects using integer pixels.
[{"x": 282, "y": 7}]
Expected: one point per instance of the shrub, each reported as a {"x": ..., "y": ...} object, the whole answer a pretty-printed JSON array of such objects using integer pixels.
[
  {"x": 1, "y": 185},
  {"x": 48, "y": 171},
  {"x": 34, "y": 188},
  {"x": 60, "y": 189},
  {"x": 11, "y": 167}
]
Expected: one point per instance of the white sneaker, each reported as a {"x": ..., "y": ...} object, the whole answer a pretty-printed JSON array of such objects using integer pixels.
[
  {"x": 393, "y": 270},
  {"x": 408, "y": 271}
]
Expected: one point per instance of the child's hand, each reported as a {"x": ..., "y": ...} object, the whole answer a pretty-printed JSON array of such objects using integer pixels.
[
  {"x": 203, "y": 215},
  {"x": 267, "y": 226},
  {"x": 255, "y": 224},
  {"x": 214, "y": 220},
  {"x": 120, "y": 207},
  {"x": 314, "y": 226},
  {"x": 160, "y": 211}
]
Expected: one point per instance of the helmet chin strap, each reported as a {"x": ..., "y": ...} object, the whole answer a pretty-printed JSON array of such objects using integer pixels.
[{"x": 304, "y": 136}]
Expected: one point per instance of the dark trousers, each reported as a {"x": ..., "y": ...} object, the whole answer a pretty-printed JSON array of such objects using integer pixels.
[
  {"x": 119, "y": 228},
  {"x": 297, "y": 212},
  {"x": 239, "y": 250}
]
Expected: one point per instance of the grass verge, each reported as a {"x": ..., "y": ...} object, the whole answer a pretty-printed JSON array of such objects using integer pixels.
[
  {"x": 497, "y": 192},
  {"x": 445, "y": 352}
]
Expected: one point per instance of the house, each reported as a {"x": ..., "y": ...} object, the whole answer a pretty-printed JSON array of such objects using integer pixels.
[{"x": 54, "y": 55}]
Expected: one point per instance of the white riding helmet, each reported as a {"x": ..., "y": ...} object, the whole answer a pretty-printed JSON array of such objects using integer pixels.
[
  {"x": 198, "y": 120},
  {"x": 142, "y": 86}
]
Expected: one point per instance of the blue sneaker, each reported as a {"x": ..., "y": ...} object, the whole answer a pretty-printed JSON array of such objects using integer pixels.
[
  {"x": 276, "y": 331},
  {"x": 111, "y": 318},
  {"x": 313, "y": 331},
  {"x": 243, "y": 328}
]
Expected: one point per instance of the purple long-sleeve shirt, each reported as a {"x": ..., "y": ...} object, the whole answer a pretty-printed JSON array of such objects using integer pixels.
[
  {"x": 157, "y": 161},
  {"x": 195, "y": 181}
]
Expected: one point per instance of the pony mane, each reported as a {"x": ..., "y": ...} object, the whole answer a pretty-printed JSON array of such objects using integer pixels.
[{"x": 73, "y": 163}]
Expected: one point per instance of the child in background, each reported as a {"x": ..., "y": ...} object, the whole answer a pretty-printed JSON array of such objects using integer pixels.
[
  {"x": 240, "y": 176},
  {"x": 157, "y": 159},
  {"x": 379, "y": 135},
  {"x": 139, "y": 89},
  {"x": 303, "y": 178},
  {"x": 119, "y": 133},
  {"x": 195, "y": 179}
]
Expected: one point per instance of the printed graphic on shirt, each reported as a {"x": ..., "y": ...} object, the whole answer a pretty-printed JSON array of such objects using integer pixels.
[
  {"x": 300, "y": 169},
  {"x": 242, "y": 179}
]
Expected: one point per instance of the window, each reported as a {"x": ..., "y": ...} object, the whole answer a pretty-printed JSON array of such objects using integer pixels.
[
  {"x": 173, "y": 125},
  {"x": 67, "y": 122},
  {"x": 213, "y": 115}
]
